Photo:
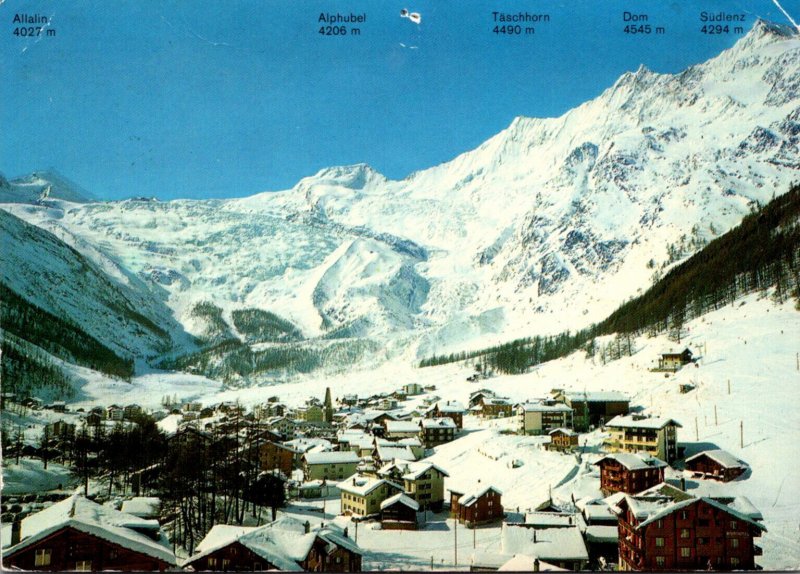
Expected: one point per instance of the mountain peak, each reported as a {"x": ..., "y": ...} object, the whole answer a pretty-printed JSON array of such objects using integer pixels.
[
  {"x": 43, "y": 185},
  {"x": 355, "y": 176}
]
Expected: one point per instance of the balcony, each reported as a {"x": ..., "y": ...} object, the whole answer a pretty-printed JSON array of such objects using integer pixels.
[{"x": 757, "y": 551}]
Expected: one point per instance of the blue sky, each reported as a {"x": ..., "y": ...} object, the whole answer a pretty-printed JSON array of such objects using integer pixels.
[{"x": 229, "y": 98}]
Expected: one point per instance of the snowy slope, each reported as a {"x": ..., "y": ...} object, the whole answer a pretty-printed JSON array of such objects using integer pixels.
[
  {"x": 129, "y": 317},
  {"x": 752, "y": 343},
  {"x": 548, "y": 225}
]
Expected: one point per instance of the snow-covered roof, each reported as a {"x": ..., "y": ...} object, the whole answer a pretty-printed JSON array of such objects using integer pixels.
[
  {"x": 525, "y": 563},
  {"x": 549, "y": 544},
  {"x": 649, "y": 507},
  {"x": 142, "y": 506},
  {"x": 721, "y": 457},
  {"x": 634, "y": 461},
  {"x": 544, "y": 408},
  {"x": 410, "y": 470},
  {"x": 94, "y": 519},
  {"x": 547, "y": 519},
  {"x": 568, "y": 432},
  {"x": 597, "y": 396},
  {"x": 402, "y": 499},
  {"x": 599, "y": 513},
  {"x": 410, "y": 441},
  {"x": 395, "y": 452},
  {"x": 439, "y": 422},
  {"x": 401, "y": 427},
  {"x": 331, "y": 457},
  {"x": 363, "y": 485},
  {"x": 602, "y": 534},
  {"x": 450, "y": 407},
  {"x": 634, "y": 421},
  {"x": 472, "y": 495}
]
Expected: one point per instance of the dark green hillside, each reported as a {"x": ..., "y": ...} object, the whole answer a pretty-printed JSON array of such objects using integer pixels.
[
  {"x": 761, "y": 253},
  {"x": 259, "y": 326},
  {"x": 55, "y": 335}
]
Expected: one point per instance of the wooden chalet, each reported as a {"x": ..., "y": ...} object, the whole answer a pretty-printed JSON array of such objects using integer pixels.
[
  {"x": 399, "y": 512},
  {"x": 276, "y": 456},
  {"x": 628, "y": 472},
  {"x": 480, "y": 504},
  {"x": 717, "y": 464},
  {"x": 286, "y": 544},
  {"x": 451, "y": 409},
  {"x": 78, "y": 534},
  {"x": 674, "y": 361},
  {"x": 562, "y": 439},
  {"x": 665, "y": 528},
  {"x": 434, "y": 432}
]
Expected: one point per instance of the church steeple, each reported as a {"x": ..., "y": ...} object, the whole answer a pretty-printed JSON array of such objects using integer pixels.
[{"x": 328, "y": 414}]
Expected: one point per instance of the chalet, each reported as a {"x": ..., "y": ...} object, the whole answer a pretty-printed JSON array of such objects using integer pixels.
[
  {"x": 349, "y": 400},
  {"x": 362, "y": 495},
  {"x": 269, "y": 409},
  {"x": 400, "y": 429},
  {"x": 450, "y": 409},
  {"x": 93, "y": 419},
  {"x": 286, "y": 544},
  {"x": 654, "y": 435},
  {"x": 423, "y": 481},
  {"x": 274, "y": 456},
  {"x": 674, "y": 361},
  {"x": 540, "y": 418},
  {"x": 491, "y": 408},
  {"x": 593, "y": 408},
  {"x": 628, "y": 472},
  {"x": 475, "y": 397},
  {"x": 192, "y": 406},
  {"x": 60, "y": 430},
  {"x": 477, "y": 505},
  {"x": 131, "y": 411},
  {"x": 399, "y": 512},
  {"x": 329, "y": 465},
  {"x": 562, "y": 439},
  {"x": 115, "y": 413},
  {"x": 665, "y": 528},
  {"x": 388, "y": 403},
  {"x": 317, "y": 489},
  {"x": 717, "y": 464},
  {"x": 433, "y": 432},
  {"x": 78, "y": 534}
]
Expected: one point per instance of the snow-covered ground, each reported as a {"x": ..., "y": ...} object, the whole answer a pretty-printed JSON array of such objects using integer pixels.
[
  {"x": 31, "y": 476},
  {"x": 753, "y": 344}
]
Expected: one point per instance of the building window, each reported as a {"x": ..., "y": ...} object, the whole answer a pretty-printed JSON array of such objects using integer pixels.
[
  {"x": 212, "y": 563},
  {"x": 42, "y": 557},
  {"x": 734, "y": 561},
  {"x": 685, "y": 533},
  {"x": 225, "y": 563},
  {"x": 660, "y": 524},
  {"x": 684, "y": 515},
  {"x": 733, "y": 525},
  {"x": 659, "y": 542},
  {"x": 660, "y": 561},
  {"x": 734, "y": 543},
  {"x": 83, "y": 566},
  {"x": 686, "y": 552}
]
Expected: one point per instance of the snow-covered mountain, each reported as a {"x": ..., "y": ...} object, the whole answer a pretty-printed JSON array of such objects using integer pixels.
[{"x": 548, "y": 225}]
